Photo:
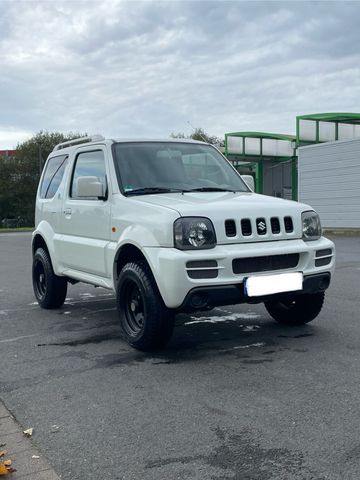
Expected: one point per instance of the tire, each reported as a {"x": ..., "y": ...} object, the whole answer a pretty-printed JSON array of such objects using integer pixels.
[
  {"x": 146, "y": 322},
  {"x": 296, "y": 310},
  {"x": 50, "y": 290}
]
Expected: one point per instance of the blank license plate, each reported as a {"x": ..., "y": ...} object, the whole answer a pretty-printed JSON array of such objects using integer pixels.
[{"x": 269, "y": 284}]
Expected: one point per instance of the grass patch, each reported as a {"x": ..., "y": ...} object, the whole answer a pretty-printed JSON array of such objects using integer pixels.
[
  {"x": 342, "y": 232},
  {"x": 17, "y": 229}
]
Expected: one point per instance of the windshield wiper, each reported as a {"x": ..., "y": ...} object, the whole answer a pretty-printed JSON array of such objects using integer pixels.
[
  {"x": 211, "y": 189},
  {"x": 149, "y": 190}
]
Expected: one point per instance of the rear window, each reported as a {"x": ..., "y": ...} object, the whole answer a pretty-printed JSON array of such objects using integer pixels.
[{"x": 54, "y": 172}]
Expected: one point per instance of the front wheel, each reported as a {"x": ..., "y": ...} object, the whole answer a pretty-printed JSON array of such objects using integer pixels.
[
  {"x": 297, "y": 309},
  {"x": 146, "y": 322},
  {"x": 50, "y": 289}
]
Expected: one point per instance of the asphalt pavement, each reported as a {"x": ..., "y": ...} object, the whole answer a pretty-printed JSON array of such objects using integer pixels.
[{"x": 234, "y": 396}]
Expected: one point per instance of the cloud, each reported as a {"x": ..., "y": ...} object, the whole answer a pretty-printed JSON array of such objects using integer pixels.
[{"x": 144, "y": 69}]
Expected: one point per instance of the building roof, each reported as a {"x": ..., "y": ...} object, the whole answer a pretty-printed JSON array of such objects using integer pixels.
[
  {"x": 273, "y": 136},
  {"x": 345, "y": 117},
  {"x": 7, "y": 153}
]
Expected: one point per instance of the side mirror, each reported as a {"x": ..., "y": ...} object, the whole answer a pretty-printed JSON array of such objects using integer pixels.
[
  {"x": 249, "y": 180},
  {"x": 89, "y": 187}
]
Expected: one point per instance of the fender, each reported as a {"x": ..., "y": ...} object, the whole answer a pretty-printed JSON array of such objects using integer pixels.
[
  {"x": 46, "y": 232},
  {"x": 114, "y": 254}
]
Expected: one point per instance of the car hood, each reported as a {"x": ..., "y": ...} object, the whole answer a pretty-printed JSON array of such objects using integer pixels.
[{"x": 222, "y": 206}]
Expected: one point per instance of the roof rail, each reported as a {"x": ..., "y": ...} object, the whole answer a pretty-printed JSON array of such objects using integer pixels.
[{"x": 76, "y": 141}]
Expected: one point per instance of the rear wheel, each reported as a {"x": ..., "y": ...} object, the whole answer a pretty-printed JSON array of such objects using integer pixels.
[
  {"x": 297, "y": 309},
  {"x": 50, "y": 289},
  {"x": 146, "y": 322}
]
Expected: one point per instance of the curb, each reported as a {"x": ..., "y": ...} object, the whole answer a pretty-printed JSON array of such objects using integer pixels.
[{"x": 30, "y": 463}]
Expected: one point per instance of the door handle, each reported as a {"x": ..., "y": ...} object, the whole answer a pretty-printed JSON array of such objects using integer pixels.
[{"x": 67, "y": 211}]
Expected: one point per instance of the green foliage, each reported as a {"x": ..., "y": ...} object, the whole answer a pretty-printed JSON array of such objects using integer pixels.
[
  {"x": 200, "y": 134},
  {"x": 19, "y": 176}
]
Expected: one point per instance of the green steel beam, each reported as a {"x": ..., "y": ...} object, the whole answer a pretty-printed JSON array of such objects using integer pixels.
[
  {"x": 254, "y": 158},
  {"x": 346, "y": 117},
  {"x": 297, "y": 131},
  {"x": 272, "y": 136},
  {"x": 259, "y": 180},
  {"x": 317, "y": 137},
  {"x": 294, "y": 178}
]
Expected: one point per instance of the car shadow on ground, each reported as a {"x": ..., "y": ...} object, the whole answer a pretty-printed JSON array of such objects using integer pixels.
[{"x": 238, "y": 331}]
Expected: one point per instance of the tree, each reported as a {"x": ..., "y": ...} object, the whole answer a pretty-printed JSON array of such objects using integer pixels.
[
  {"x": 19, "y": 176},
  {"x": 200, "y": 134}
]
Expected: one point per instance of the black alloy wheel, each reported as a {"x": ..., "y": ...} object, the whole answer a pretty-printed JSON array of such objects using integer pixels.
[
  {"x": 134, "y": 309},
  {"x": 39, "y": 279},
  {"x": 297, "y": 309},
  {"x": 146, "y": 322},
  {"x": 49, "y": 289}
]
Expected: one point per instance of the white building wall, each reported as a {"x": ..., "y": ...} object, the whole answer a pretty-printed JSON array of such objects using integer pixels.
[{"x": 329, "y": 180}]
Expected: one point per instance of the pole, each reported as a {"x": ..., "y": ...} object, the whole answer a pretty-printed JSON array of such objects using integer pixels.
[{"x": 40, "y": 160}]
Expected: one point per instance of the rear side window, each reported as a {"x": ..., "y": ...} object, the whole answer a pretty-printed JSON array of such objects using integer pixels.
[{"x": 53, "y": 175}]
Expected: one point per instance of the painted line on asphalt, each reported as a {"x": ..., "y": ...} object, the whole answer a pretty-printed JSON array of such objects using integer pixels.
[{"x": 15, "y": 339}]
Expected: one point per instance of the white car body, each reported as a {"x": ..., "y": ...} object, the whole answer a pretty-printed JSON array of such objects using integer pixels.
[{"x": 86, "y": 238}]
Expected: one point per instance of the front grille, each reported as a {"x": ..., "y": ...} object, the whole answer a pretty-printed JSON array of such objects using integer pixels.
[
  {"x": 198, "y": 274},
  {"x": 265, "y": 264},
  {"x": 263, "y": 226},
  {"x": 289, "y": 227},
  {"x": 325, "y": 257},
  {"x": 275, "y": 225},
  {"x": 230, "y": 228},
  {"x": 202, "y": 264},
  {"x": 320, "y": 262},
  {"x": 323, "y": 253},
  {"x": 246, "y": 227},
  {"x": 202, "y": 269}
]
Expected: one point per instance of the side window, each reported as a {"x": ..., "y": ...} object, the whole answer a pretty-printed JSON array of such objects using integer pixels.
[
  {"x": 89, "y": 164},
  {"x": 53, "y": 175}
]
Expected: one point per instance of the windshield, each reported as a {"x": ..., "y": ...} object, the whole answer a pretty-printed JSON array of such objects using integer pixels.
[{"x": 162, "y": 167}]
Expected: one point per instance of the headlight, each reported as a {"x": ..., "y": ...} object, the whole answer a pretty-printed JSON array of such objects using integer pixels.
[
  {"x": 311, "y": 226},
  {"x": 194, "y": 233}
]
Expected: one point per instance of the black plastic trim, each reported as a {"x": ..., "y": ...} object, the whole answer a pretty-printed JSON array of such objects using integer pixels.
[{"x": 213, "y": 296}]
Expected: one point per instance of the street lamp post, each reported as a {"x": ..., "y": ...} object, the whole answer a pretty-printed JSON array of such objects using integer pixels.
[{"x": 40, "y": 160}]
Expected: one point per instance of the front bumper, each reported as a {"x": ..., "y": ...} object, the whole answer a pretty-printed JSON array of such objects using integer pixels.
[
  {"x": 169, "y": 266},
  {"x": 204, "y": 297}
]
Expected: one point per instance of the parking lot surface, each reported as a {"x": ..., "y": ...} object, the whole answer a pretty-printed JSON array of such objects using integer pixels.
[{"x": 234, "y": 396}]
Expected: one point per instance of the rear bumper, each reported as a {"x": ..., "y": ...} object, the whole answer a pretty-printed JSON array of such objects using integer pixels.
[{"x": 207, "y": 297}]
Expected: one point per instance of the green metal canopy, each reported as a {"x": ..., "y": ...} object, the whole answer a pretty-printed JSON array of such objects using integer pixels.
[
  {"x": 327, "y": 127},
  {"x": 333, "y": 117},
  {"x": 274, "y": 136},
  {"x": 262, "y": 151},
  {"x": 262, "y": 145}
]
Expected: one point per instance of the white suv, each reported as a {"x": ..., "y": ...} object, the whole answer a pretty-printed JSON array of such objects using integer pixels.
[{"x": 170, "y": 226}]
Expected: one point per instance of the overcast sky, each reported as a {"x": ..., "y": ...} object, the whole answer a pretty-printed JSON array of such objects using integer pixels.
[{"x": 146, "y": 69}]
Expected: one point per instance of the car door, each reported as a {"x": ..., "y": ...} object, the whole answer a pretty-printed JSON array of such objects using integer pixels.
[{"x": 86, "y": 221}]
